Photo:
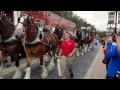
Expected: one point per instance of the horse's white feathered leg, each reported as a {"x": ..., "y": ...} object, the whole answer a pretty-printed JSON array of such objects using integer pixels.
[
  {"x": 88, "y": 49},
  {"x": 1, "y": 70},
  {"x": 78, "y": 52},
  {"x": 82, "y": 51},
  {"x": 28, "y": 73},
  {"x": 44, "y": 73},
  {"x": 51, "y": 65},
  {"x": 18, "y": 73},
  {"x": 46, "y": 58},
  {"x": 85, "y": 49}
]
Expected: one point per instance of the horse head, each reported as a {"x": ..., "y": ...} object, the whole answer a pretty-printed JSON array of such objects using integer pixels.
[
  {"x": 27, "y": 28},
  {"x": 58, "y": 31},
  {"x": 23, "y": 21},
  {"x": 83, "y": 31},
  {"x": 78, "y": 34},
  {"x": 90, "y": 33}
]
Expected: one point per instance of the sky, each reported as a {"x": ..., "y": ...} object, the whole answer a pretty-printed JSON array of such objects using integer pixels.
[{"x": 97, "y": 18}]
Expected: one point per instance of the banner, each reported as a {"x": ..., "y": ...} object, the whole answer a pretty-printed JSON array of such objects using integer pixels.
[
  {"x": 111, "y": 17},
  {"x": 118, "y": 17}
]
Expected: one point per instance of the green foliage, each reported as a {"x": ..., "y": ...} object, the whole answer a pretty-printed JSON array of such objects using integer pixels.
[{"x": 101, "y": 34}]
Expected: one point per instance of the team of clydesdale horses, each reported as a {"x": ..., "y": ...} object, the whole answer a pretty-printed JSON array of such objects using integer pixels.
[{"x": 36, "y": 40}]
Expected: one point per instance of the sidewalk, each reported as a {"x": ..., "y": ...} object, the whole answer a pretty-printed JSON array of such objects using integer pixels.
[{"x": 97, "y": 70}]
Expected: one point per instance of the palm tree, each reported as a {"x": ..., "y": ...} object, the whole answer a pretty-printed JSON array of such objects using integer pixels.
[{"x": 74, "y": 18}]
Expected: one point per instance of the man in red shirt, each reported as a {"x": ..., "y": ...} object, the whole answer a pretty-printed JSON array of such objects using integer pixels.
[{"x": 67, "y": 49}]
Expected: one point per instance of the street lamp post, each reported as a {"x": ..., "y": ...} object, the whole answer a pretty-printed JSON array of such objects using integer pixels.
[{"x": 116, "y": 22}]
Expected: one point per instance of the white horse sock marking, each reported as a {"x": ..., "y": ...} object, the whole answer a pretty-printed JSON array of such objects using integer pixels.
[
  {"x": 1, "y": 73},
  {"x": 82, "y": 52},
  {"x": 18, "y": 73},
  {"x": 44, "y": 74},
  {"x": 51, "y": 64},
  {"x": 78, "y": 53},
  {"x": 28, "y": 73},
  {"x": 46, "y": 58}
]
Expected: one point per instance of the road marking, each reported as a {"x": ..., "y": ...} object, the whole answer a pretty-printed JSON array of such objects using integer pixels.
[
  {"x": 89, "y": 72},
  {"x": 12, "y": 69}
]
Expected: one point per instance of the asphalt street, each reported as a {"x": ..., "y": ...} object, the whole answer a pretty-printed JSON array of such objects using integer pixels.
[{"x": 81, "y": 65}]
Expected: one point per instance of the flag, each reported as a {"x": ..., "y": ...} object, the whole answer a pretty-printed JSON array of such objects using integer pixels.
[
  {"x": 111, "y": 17},
  {"x": 118, "y": 17}
]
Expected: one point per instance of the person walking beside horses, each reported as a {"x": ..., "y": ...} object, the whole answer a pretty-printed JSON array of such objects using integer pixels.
[{"x": 67, "y": 49}]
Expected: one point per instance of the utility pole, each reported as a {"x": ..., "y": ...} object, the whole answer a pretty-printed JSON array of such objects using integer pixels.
[{"x": 116, "y": 22}]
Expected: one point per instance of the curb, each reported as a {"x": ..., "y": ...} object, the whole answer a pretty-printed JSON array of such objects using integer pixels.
[{"x": 89, "y": 72}]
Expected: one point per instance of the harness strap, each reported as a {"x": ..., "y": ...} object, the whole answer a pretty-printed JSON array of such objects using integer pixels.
[
  {"x": 53, "y": 38},
  {"x": 49, "y": 43}
]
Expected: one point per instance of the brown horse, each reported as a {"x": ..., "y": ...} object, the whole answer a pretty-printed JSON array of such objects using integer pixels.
[
  {"x": 89, "y": 39},
  {"x": 10, "y": 44},
  {"x": 36, "y": 42},
  {"x": 60, "y": 31},
  {"x": 92, "y": 37},
  {"x": 80, "y": 40}
]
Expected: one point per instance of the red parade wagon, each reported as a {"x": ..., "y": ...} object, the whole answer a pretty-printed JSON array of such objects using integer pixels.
[{"x": 50, "y": 18}]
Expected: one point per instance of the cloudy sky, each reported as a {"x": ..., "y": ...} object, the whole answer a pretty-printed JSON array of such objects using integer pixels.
[{"x": 97, "y": 18}]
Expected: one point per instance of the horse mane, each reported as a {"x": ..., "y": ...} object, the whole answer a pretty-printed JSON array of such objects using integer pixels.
[
  {"x": 34, "y": 23},
  {"x": 5, "y": 18},
  {"x": 8, "y": 23}
]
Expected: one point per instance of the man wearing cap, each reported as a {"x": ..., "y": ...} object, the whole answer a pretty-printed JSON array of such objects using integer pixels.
[{"x": 67, "y": 49}]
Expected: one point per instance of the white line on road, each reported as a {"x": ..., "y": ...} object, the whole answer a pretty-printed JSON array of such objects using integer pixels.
[
  {"x": 89, "y": 72},
  {"x": 12, "y": 69}
]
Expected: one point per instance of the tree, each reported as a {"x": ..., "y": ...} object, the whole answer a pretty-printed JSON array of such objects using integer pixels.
[{"x": 74, "y": 18}]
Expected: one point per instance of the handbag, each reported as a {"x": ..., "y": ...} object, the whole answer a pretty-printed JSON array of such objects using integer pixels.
[{"x": 105, "y": 61}]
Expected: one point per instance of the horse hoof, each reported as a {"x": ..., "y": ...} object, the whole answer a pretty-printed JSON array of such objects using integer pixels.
[
  {"x": 1, "y": 77},
  {"x": 82, "y": 54},
  {"x": 8, "y": 65},
  {"x": 17, "y": 77},
  {"x": 28, "y": 73},
  {"x": 18, "y": 74},
  {"x": 44, "y": 76},
  {"x": 50, "y": 68},
  {"x": 78, "y": 55},
  {"x": 26, "y": 78}
]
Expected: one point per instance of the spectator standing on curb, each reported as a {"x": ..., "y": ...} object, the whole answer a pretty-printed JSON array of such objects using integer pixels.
[{"x": 112, "y": 54}]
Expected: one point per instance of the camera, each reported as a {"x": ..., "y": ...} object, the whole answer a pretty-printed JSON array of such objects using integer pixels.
[{"x": 113, "y": 37}]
